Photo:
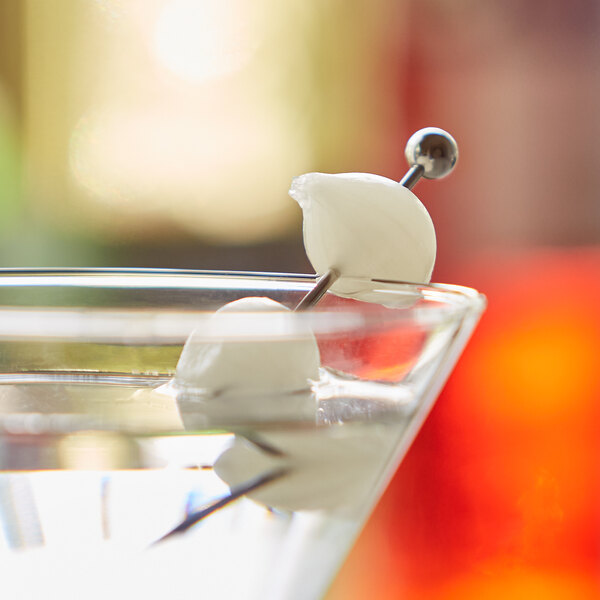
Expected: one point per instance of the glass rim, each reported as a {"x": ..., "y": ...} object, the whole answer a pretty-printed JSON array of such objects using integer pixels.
[{"x": 172, "y": 325}]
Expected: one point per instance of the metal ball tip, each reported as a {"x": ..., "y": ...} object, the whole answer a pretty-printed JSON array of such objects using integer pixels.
[{"x": 433, "y": 150}]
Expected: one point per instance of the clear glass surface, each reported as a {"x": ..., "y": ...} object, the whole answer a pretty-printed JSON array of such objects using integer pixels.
[{"x": 119, "y": 478}]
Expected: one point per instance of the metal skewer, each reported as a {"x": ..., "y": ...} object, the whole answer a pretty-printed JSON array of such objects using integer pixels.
[
  {"x": 431, "y": 153},
  {"x": 234, "y": 494},
  {"x": 323, "y": 284}
]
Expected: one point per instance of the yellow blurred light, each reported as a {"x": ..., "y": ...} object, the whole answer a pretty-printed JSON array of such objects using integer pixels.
[
  {"x": 212, "y": 150},
  {"x": 144, "y": 117},
  {"x": 96, "y": 450},
  {"x": 221, "y": 175},
  {"x": 199, "y": 40}
]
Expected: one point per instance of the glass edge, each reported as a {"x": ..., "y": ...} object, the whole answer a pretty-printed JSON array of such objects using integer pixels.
[{"x": 6, "y": 272}]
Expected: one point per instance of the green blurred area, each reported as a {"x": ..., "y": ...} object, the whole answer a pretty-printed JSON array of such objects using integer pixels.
[
  {"x": 10, "y": 167},
  {"x": 16, "y": 357}
]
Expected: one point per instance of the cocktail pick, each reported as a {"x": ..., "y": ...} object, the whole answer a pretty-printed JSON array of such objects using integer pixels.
[
  {"x": 234, "y": 494},
  {"x": 431, "y": 153},
  {"x": 323, "y": 284}
]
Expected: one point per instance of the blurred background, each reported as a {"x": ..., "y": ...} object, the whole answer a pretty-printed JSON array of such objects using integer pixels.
[{"x": 164, "y": 133}]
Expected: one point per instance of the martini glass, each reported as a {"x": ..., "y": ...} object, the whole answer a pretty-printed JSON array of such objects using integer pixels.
[{"x": 114, "y": 483}]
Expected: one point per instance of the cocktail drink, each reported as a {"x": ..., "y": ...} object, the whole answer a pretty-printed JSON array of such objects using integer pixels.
[
  {"x": 219, "y": 435},
  {"x": 103, "y": 458}
]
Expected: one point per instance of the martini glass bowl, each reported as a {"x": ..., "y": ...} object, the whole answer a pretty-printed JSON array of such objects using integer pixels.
[{"x": 116, "y": 481}]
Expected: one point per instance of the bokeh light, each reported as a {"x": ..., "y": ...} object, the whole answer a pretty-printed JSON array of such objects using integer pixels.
[
  {"x": 185, "y": 126},
  {"x": 204, "y": 39}
]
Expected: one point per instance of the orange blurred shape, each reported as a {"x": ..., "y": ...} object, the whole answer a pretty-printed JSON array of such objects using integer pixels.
[
  {"x": 527, "y": 396},
  {"x": 519, "y": 584},
  {"x": 540, "y": 363},
  {"x": 536, "y": 352}
]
